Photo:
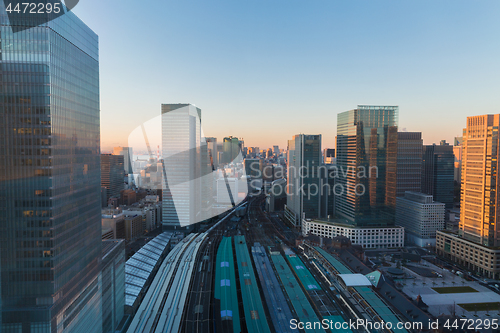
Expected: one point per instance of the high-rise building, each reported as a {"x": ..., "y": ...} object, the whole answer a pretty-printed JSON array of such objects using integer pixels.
[
  {"x": 410, "y": 147},
  {"x": 421, "y": 217},
  {"x": 457, "y": 153},
  {"x": 206, "y": 176},
  {"x": 241, "y": 146},
  {"x": 253, "y": 167},
  {"x": 112, "y": 173},
  {"x": 329, "y": 155},
  {"x": 128, "y": 155},
  {"x": 50, "y": 205},
  {"x": 213, "y": 151},
  {"x": 438, "y": 172},
  {"x": 303, "y": 187},
  {"x": 181, "y": 140},
  {"x": 113, "y": 284},
  {"x": 230, "y": 148},
  {"x": 480, "y": 203},
  {"x": 476, "y": 246},
  {"x": 367, "y": 139},
  {"x": 276, "y": 151}
]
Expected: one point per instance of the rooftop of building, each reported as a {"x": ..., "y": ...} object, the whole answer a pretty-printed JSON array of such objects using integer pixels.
[
  {"x": 345, "y": 223},
  {"x": 455, "y": 235},
  {"x": 108, "y": 245}
]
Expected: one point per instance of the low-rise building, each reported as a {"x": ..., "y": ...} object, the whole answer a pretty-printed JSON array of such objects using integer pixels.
[
  {"x": 421, "y": 217},
  {"x": 473, "y": 256},
  {"x": 276, "y": 198},
  {"x": 113, "y": 220},
  {"x": 133, "y": 225},
  {"x": 128, "y": 197},
  {"x": 367, "y": 237}
]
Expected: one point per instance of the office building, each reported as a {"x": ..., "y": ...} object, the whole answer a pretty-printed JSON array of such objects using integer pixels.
[
  {"x": 457, "y": 153},
  {"x": 241, "y": 146},
  {"x": 421, "y": 217},
  {"x": 367, "y": 161},
  {"x": 480, "y": 213},
  {"x": 50, "y": 215},
  {"x": 104, "y": 197},
  {"x": 128, "y": 197},
  {"x": 367, "y": 237},
  {"x": 276, "y": 151},
  {"x": 329, "y": 175},
  {"x": 438, "y": 173},
  {"x": 471, "y": 255},
  {"x": 230, "y": 148},
  {"x": 113, "y": 222},
  {"x": 113, "y": 284},
  {"x": 303, "y": 182},
  {"x": 276, "y": 198},
  {"x": 253, "y": 168},
  {"x": 328, "y": 155},
  {"x": 213, "y": 152},
  {"x": 128, "y": 157},
  {"x": 181, "y": 138},
  {"x": 133, "y": 222},
  {"x": 410, "y": 148},
  {"x": 476, "y": 246},
  {"x": 269, "y": 153},
  {"x": 207, "y": 176},
  {"x": 112, "y": 174}
]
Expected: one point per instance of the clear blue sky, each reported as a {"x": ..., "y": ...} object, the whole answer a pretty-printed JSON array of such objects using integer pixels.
[{"x": 265, "y": 70}]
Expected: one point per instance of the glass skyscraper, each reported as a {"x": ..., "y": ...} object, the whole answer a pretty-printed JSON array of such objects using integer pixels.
[
  {"x": 438, "y": 173},
  {"x": 50, "y": 210},
  {"x": 112, "y": 174},
  {"x": 367, "y": 140},
  {"x": 410, "y": 146},
  {"x": 303, "y": 187},
  {"x": 231, "y": 149}
]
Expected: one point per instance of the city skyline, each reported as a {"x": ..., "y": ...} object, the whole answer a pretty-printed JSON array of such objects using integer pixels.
[
  {"x": 125, "y": 208},
  {"x": 268, "y": 76}
]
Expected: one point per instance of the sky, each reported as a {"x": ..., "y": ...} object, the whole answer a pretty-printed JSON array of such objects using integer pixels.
[{"x": 265, "y": 70}]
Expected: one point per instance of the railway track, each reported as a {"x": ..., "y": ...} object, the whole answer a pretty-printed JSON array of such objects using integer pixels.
[{"x": 163, "y": 306}]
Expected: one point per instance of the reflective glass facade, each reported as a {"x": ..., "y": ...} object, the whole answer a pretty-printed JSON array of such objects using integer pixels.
[
  {"x": 304, "y": 181},
  {"x": 367, "y": 140},
  {"x": 112, "y": 174},
  {"x": 438, "y": 172},
  {"x": 410, "y": 146},
  {"x": 50, "y": 223}
]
